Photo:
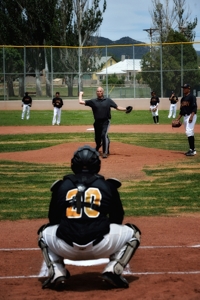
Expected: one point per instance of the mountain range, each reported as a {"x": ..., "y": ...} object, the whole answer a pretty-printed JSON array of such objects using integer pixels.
[{"x": 117, "y": 52}]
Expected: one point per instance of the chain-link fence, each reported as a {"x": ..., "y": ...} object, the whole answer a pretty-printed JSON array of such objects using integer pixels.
[{"x": 125, "y": 71}]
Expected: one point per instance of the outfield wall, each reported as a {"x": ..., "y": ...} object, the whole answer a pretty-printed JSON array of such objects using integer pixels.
[{"x": 138, "y": 104}]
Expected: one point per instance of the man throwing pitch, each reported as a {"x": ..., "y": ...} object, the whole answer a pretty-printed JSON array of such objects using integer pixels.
[
  {"x": 101, "y": 107},
  {"x": 188, "y": 109},
  {"x": 85, "y": 222}
]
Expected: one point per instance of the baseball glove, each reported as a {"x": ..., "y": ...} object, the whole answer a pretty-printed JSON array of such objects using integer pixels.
[
  {"x": 176, "y": 123},
  {"x": 154, "y": 109},
  {"x": 128, "y": 109}
]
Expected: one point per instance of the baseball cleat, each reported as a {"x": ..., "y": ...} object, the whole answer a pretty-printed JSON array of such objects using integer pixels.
[
  {"x": 59, "y": 283},
  {"x": 191, "y": 153},
  {"x": 115, "y": 280}
]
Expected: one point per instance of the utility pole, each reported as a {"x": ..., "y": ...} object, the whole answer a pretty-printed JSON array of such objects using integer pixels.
[{"x": 150, "y": 32}]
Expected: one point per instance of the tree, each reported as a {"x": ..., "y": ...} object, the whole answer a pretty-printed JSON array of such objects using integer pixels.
[
  {"x": 113, "y": 79},
  {"x": 14, "y": 64},
  {"x": 28, "y": 22},
  {"x": 177, "y": 18},
  {"x": 169, "y": 24},
  {"x": 172, "y": 63},
  {"x": 77, "y": 30}
]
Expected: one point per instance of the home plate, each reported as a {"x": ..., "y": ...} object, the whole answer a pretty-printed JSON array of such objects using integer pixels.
[
  {"x": 90, "y": 129},
  {"x": 92, "y": 262}
]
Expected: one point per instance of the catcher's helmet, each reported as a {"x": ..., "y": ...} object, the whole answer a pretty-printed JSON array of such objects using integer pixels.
[{"x": 86, "y": 159}]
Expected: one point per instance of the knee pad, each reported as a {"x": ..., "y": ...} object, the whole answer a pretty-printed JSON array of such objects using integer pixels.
[{"x": 137, "y": 232}]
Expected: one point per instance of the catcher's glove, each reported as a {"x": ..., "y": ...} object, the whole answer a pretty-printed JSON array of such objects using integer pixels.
[
  {"x": 176, "y": 123},
  {"x": 128, "y": 109}
]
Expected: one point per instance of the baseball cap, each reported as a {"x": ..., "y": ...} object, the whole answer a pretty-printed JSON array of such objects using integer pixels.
[{"x": 186, "y": 85}]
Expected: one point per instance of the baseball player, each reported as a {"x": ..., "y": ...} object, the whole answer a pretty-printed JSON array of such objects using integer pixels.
[
  {"x": 101, "y": 107},
  {"x": 57, "y": 103},
  {"x": 26, "y": 105},
  {"x": 173, "y": 102},
  {"x": 85, "y": 222},
  {"x": 154, "y": 101},
  {"x": 188, "y": 110}
]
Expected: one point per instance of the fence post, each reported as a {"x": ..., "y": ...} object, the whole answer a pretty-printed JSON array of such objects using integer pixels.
[
  {"x": 4, "y": 76},
  {"x": 24, "y": 68}
]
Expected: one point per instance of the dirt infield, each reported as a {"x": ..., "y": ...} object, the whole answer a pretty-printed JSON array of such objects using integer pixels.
[{"x": 166, "y": 266}]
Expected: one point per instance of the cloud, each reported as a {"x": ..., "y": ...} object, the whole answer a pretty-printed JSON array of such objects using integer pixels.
[{"x": 131, "y": 17}]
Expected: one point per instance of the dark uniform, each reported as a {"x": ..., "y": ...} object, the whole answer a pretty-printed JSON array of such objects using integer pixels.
[
  {"x": 57, "y": 103},
  {"x": 154, "y": 101},
  {"x": 91, "y": 224},
  {"x": 27, "y": 100},
  {"x": 26, "y": 104},
  {"x": 102, "y": 116},
  {"x": 173, "y": 101},
  {"x": 188, "y": 106}
]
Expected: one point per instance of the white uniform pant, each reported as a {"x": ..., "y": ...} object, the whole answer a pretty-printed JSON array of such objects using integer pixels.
[
  {"x": 172, "y": 111},
  {"x": 56, "y": 116},
  {"x": 189, "y": 127},
  {"x": 110, "y": 247},
  {"x": 26, "y": 111},
  {"x": 154, "y": 113}
]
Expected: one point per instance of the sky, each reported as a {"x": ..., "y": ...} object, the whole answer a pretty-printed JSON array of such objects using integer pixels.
[{"x": 130, "y": 18}]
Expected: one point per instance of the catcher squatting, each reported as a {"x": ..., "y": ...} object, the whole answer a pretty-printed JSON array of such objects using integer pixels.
[{"x": 85, "y": 222}]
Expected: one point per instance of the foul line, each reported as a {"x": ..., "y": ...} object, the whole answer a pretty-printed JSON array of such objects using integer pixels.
[
  {"x": 126, "y": 273},
  {"x": 44, "y": 272},
  {"x": 141, "y": 247}
]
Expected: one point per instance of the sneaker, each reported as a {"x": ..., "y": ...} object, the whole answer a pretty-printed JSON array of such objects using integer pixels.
[
  {"x": 115, "y": 280},
  {"x": 104, "y": 155},
  {"x": 191, "y": 153}
]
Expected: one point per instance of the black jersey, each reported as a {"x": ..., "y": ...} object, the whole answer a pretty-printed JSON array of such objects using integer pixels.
[
  {"x": 154, "y": 100},
  {"x": 57, "y": 102},
  {"x": 27, "y": 100},
  {"x": 101, "y": 108},
  {"x": 100, "y": 206},
  {"x": 173, "y": 99},
  {"x": 188, "y": 105}
]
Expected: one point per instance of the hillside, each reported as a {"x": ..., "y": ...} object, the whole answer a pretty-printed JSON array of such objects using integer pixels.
[{"x": 117, "y": 52}]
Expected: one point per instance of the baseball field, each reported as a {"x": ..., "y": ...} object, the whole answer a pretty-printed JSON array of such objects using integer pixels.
[{"x": 166, "y": 265}]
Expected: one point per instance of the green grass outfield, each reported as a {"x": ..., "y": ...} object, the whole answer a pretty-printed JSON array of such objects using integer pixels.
[
  {"x": 80, "y": 117},
  {"x": 169, "y": 190}
]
